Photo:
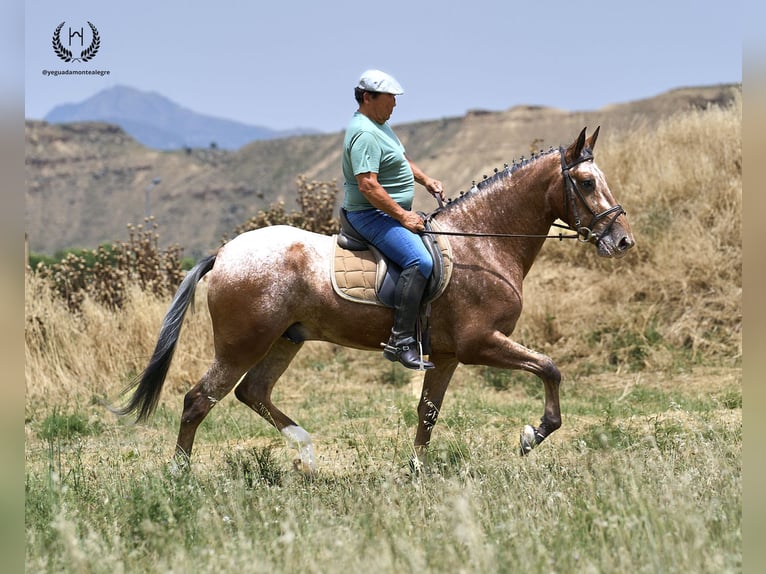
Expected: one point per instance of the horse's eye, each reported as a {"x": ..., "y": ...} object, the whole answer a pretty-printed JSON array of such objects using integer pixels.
[{"x": 588, "y": 184}]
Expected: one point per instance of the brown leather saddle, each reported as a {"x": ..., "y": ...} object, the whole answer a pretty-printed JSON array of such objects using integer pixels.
[{"x": 363, "y": 274}]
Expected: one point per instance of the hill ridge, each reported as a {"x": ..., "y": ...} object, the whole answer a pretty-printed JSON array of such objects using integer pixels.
[{"x": 86, "y": 181}]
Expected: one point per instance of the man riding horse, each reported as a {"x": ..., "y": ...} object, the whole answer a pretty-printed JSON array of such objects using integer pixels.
[
  {"x": 270, "y": 290},
  {"x": 379, "y": 185}
]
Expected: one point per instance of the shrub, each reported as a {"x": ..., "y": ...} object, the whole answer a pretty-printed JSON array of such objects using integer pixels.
[
  {"x": 317, "y": 210},
  {"x": 105, "y": 273}
]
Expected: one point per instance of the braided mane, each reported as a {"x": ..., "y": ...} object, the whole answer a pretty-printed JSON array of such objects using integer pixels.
[{"x": 499, "y": 175}]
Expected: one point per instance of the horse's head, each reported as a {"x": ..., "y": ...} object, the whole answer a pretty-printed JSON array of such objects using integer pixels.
[{"x": 589, "y": 206}]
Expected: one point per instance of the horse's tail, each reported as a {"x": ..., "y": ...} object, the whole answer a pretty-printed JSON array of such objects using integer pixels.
[{"x": 148, "y": 385}]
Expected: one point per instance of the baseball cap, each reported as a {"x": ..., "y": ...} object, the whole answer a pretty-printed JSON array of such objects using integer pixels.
[{"x": 377, "y": 81}]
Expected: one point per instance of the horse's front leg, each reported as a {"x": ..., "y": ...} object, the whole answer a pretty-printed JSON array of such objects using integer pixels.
[
  {"x": 500, "y": 351},
  {"x": 435, "y": 386}
]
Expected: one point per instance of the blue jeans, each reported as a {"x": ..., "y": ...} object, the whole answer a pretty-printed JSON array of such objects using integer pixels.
[{"x": 392, "y": 239}]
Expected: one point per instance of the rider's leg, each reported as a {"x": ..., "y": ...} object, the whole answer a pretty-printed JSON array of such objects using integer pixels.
[
  {"x": 406, "y": 249},
  {"x": 402, "y": 345}
]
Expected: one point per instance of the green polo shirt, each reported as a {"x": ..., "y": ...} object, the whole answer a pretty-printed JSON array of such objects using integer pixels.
[{"x": 373, "y": 147}]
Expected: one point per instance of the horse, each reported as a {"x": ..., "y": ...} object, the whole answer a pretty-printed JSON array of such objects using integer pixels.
[{"x": 269, "y": 291}]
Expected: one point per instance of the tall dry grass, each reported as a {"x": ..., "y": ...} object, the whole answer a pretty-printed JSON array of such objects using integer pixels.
[
  {"x": 90, "y": 356},
  {"x": 677, "y": 297}
]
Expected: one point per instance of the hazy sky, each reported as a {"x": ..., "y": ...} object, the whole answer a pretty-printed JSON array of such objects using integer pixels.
[{"x": 294, "y": 64}]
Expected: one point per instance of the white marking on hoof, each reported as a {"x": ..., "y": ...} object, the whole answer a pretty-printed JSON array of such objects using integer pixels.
[
  {"x": 416, "y": 466},
  {"x": 179, "y": 464},
  {"x": 301, "y": 440},
  {"x": 527, "y": 440}
]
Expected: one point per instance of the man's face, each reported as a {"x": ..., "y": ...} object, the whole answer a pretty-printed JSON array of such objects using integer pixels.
[{"x": 382, "y": 107}]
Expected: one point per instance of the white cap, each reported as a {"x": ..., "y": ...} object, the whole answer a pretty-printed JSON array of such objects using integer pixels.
[{"x": 377, "y": 81}]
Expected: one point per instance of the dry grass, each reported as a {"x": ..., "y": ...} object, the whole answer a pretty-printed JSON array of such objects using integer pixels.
[{"x": 681, "y": 287}]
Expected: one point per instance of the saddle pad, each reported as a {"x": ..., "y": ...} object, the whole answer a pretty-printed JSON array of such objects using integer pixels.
[
  {"x": 358, "y": 275},
  {"x": 354, "y": 274}
]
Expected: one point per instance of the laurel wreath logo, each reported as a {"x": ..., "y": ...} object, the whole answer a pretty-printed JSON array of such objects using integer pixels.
[
  {"x": 86, "y": 55},
  {"x": 58, "y": 47}
]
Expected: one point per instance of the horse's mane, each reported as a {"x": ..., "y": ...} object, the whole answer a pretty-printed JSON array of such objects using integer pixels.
[{"x": 497, "y": 176}]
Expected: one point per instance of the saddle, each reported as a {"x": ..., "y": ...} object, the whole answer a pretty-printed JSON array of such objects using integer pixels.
[{"x": 361, "y": 273}]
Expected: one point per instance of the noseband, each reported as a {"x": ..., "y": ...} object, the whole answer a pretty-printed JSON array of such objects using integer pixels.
[{"x": 585, "y": 234}]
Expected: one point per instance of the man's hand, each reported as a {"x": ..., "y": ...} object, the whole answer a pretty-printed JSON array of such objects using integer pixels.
[
  {"x": 412, "y": 221},
  {"x": 435, "y": 188}
]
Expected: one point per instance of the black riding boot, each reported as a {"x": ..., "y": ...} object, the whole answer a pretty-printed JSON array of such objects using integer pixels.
[{"x": 402, "y": 345}]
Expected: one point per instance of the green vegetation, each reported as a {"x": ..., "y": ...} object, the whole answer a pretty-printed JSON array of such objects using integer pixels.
[{"x": 58, "y": 426}]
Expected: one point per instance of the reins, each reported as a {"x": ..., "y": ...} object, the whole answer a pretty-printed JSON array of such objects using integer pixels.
[
  {"x": 581, "y": 233},
  {"x": 560, "y": 236}
]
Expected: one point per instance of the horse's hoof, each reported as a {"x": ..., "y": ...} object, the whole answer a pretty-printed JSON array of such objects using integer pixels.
[
  {"x": 179, "y": 465},
  {"x": 304, "y": 468},
  {"x": 416, "y": 466},
  {"x": 527, "y": 440}
]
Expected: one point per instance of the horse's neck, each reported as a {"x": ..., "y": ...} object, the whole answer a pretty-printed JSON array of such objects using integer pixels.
[{"x": 514, "y": 204}]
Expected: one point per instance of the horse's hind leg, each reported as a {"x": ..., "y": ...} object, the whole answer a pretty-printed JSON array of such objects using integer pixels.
[
  {"x": 214, "y": 385},
  {"x": 255, "y": 391}
]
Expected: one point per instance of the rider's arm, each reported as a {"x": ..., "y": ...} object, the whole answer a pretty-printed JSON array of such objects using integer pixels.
[
  {"x": 370, "y": 188},
  {"x": 434, "y": 186}
]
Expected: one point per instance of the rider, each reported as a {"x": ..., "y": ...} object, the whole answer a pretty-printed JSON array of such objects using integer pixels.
[{"x": 379, "y": 186}]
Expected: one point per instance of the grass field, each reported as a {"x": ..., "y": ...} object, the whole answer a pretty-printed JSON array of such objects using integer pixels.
[{"x": 645, "y": 474}]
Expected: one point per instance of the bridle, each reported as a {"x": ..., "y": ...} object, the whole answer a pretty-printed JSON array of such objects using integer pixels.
[{"x": 585, "y": 234}]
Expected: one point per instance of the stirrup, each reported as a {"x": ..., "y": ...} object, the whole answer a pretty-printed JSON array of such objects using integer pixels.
[{"x": 407, "y": 355}]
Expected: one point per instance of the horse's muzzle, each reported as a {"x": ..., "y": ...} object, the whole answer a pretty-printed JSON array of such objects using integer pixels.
[{"x": 616, "y": 243}]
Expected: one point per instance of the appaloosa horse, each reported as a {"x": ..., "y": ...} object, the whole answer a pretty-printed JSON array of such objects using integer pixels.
[{"x": 270, "y": 290}]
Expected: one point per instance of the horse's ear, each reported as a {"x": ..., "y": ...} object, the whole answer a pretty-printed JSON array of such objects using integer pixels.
[
  {"x": 591, "y": 143},
  {"x": 574, "y": 150}
]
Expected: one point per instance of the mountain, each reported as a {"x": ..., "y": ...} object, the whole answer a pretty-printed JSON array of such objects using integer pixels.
[
  {"x": 157, "y": 122},
  {"x": 86, "y": 181}
]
